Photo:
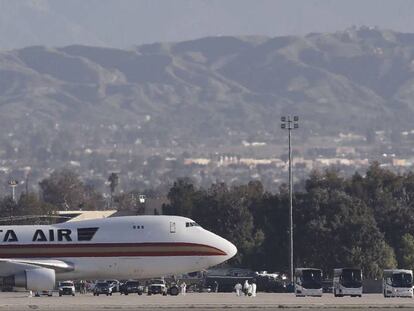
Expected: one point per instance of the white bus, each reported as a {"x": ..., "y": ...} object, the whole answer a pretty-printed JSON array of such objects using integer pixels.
[
  {"x": 397, "y": 283},
  {"x": 347, "y": 282},
  {"x": 308, "y": 282}
]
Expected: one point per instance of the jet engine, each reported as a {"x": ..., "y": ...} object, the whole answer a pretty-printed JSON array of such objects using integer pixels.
[{"x": 32, "y": 279}]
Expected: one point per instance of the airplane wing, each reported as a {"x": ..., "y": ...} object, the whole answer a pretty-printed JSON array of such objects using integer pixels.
[{"x": 10, "y": 266}]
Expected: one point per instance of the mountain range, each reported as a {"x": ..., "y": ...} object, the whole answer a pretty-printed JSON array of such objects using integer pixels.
[{"x": 209, "y": 91}]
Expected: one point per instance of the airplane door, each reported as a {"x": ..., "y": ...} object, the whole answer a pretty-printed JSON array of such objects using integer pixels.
[{"x": 172, "y": 227}]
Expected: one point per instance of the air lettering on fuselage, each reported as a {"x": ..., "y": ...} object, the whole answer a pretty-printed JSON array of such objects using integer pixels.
[
  {"x": 40, "y": 236},
  {"x": 51, "y": 235},
  {"x": 10, "y": 236}
]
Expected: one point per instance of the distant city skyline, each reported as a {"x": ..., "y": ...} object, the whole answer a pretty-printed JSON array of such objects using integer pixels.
[{"x": 126, "y": 23}]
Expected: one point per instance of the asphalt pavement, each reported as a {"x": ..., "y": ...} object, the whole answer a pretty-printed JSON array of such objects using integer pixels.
[{"x": 200, "y": 301}]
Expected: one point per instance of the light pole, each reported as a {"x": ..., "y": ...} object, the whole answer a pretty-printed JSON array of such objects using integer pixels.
[
  {"x": 13, "y": 184},
  {"x": 289, "y": 123}
]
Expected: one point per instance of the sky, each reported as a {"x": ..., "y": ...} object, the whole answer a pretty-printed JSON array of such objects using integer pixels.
[{"x": 125, "y": 23}]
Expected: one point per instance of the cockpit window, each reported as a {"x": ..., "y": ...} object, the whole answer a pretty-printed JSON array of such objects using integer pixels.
[{"x": 192, "y": 224}]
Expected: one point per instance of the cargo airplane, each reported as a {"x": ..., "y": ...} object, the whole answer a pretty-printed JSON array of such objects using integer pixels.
[{"x": 35, "y": 257}]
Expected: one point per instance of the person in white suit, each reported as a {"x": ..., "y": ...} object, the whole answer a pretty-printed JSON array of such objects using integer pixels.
[
  {"x": 183, "y": 288},
  {"x": 246, "y": 287},
  {"x": 238, "y": 288},
  {"x": 254, "y": 289}
]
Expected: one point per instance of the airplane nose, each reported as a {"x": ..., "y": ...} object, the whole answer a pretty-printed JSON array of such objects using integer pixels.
[{"x": 231, "y": 249}]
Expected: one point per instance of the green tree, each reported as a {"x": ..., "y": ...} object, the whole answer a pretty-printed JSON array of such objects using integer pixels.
[
  {"x": 225, "y": 212},
  {"x": 113, "y": 180},
  {"x": 30, "y": 205},
  {"x": 407, "y": 249},
  {"x": 327, "y": 216},
  {"x": 129, "y": 201},
  {"x": 182, "y": 197},
  {"x": 271, "y": 214},
  {"x": 65, "y": 190},
  {"x": 389, "y": 196},
  {"x": 8, "y": 208}
]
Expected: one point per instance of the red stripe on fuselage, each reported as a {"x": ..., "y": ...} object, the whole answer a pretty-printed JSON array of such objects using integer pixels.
[{"x": 107, "y": 250}]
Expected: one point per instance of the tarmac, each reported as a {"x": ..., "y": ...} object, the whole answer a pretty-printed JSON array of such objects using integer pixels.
[{"x": 201, "y": 301}]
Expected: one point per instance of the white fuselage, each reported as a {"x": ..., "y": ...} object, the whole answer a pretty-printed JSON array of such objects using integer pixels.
[{"x": 118, "y": 247}]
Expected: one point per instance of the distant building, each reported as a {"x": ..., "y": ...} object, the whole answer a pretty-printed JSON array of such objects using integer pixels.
[
  {"x": 400, "y": 162},
  {"x": 345, "y": 151},
  {"x": 69, "y": 216},
  {"x": 198, "y": 161}
]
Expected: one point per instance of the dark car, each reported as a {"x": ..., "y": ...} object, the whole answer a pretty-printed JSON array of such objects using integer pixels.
[
  {"x": 102, "y": 288},
  {"x": 131, "y": 287}
]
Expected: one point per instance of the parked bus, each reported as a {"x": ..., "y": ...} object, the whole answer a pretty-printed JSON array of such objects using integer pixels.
[
  {"x": 397, "y": 283},
  {"x": 308, "y": 282},
  {"x": 347, "y": 282}
]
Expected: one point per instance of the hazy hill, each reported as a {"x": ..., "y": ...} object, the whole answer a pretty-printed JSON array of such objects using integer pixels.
[{"x": 208, "y": 91}]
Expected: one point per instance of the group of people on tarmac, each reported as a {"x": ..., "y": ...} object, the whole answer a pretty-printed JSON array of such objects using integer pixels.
[{"x": 247, "y": 289}]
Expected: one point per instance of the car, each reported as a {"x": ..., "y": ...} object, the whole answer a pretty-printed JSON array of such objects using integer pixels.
[
  {"x": 102, "y": 288},
  {"x": 131, "y": 286},
  {"x": 157, "y": 286},
  {"x": 66, "y": 288},
  {"x": 114, "y": 284},
  {"x": 48, "y": 293}
]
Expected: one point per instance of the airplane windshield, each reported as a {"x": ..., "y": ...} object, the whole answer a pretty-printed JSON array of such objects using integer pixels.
[{"x": 192, "y": 224}]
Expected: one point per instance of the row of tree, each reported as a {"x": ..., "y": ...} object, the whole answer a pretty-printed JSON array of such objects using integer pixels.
[{"x": 362, "y": 221}]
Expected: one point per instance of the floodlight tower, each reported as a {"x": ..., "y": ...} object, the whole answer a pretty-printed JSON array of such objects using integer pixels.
[
  {"x": 13, "y": 184},
  {"x": 290, "y": 123}
]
